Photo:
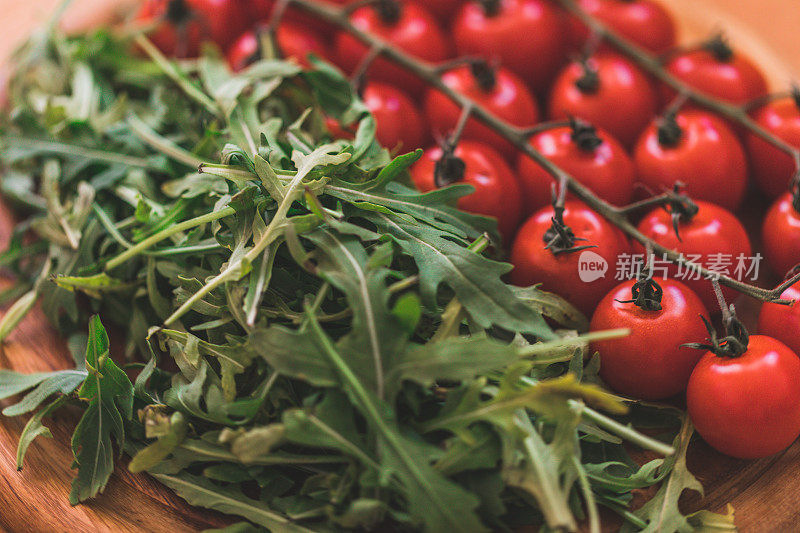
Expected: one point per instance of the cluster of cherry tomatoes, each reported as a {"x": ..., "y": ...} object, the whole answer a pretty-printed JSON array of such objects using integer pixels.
[{"x": 627, "y": 135}]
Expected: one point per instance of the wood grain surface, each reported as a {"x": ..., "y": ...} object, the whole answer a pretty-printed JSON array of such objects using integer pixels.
[{"x": 765, "y": 493}]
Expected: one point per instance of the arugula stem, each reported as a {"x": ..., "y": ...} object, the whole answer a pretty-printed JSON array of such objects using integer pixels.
[
  {"x": 588, "y": 496},
  {"x": 54, "y": 147},
  {"x": 626, "y": 432},
  {"x": 165, "y": 146},
  {"x": 171, "y": 70},
  {"x": 272, "y": 232},
  {"x": 546, "y": 347},
  {"x": 626, "y": 515},
  {"x": 167, "y": 233}
]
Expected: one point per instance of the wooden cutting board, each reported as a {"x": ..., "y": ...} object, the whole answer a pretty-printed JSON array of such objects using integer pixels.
[{"x": 765, "y": 493}]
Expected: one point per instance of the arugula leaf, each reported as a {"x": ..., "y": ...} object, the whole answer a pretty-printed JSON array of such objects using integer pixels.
[
  {"x": 376, "y": 334},
  {"x": 109, "y": 393},
  {"x": 662, "y": 513},
  {"x": 456, "y": 359},
  {"x": 474, "y": 278},
  {"x": 203, "y": 493},
  {"x": 329, "y": 424},
  {"x": 433, "y": 499}
]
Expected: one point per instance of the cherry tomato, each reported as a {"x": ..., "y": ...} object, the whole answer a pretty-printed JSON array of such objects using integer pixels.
[
  {"x": 293, "y": 41},
  {"x": 593, "y": 157},
  {"x": 781, "y": 235},
  {"x": 782, "y": 322},
  {"x": 703, "y": 153},
  {"x": 561, "y": 272},
  {"x": 719, "y": 72},
  {"x": 747, "y": 406},
  {"x": 773, "y": 168},
  {"x": 500, "y": 92},
  {"x": 650, "y": 363},
  {"x": 526, "y": 36},
  {"x": 185, "y": 24},
  {"x": 607, "y": 91},
  {"x": 397, "y": 120},
  {"x": 714, "y": 238},
  {"x": 496, "y": 191},
  {"x": 405, "y": 25},
  {"x": 643, "y": 22}
]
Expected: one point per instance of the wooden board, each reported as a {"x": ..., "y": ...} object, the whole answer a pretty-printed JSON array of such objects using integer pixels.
[{"x": 765, "y": 493}]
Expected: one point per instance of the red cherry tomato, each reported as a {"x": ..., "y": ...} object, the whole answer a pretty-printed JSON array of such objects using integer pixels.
[
  {"x": 185, "y": 24},
  {"x": 714, "y": 238},
  {"x": 597, "y": 160},
  {"x": 773, "y": 168},
  {"x": 501, "y": 92},
  {"x": 620, "y": 99},
  {"x": 720, "y": 73},
  {"x": 496, "y": 191},
  {"x": 706, "y": 156},
  {"x": 643, "y": 22},
  {"x": 781, "y": 235},
  {"x": 293, "y": 41},
  {"x": 561, "y": 272},
  {"x": 747, "y": 406},
  {"x": 405, "y": 25},
  {"x": 650, "y": 363},
  {"x": 782, "y": 322},
  {"x": 397, "y": 120},
  {"x": 526, "y": 36}
]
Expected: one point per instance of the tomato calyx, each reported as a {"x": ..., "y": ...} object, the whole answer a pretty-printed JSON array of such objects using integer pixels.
[
  {"x": 491, "y": 8},
  {"x": 668, "y": 131},
  {"x": 584, "y": 135},
  {"x": 484, "y": 74},
  {"x": 389, "y": 11},
  {"x": 718, "y": 47},
  {"x": 178, "y": 13},
  {"x": 736, "y": 339},
  {"x": 794, "y": 92},
  {"x": 560, "y": 238},
  {"x": 732, "y": 345},
  {"x": 795, "y": 187},
  {"x": 449, "y": 168},
  {"x": 646, "y": 293},
  {"x": 589, "y": 81},
  {"x": 680, "y": 207}
]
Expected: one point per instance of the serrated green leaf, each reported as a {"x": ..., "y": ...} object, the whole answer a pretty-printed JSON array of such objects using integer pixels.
[
  {"x": 661, "y": 513},
  {"x": 110, "y": 395},
  {"x": 453, "y": 359},
  {"x": 475, "y": 279}
]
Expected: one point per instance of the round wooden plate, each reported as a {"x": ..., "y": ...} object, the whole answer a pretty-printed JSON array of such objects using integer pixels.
[{"x": 764, "y": 492}]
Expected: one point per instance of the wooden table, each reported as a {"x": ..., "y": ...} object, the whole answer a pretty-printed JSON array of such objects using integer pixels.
[{"x": 765, "y": 493}]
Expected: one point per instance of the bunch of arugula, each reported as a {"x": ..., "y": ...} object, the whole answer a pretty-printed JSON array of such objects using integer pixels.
[{"x": 326, "y": 348}]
